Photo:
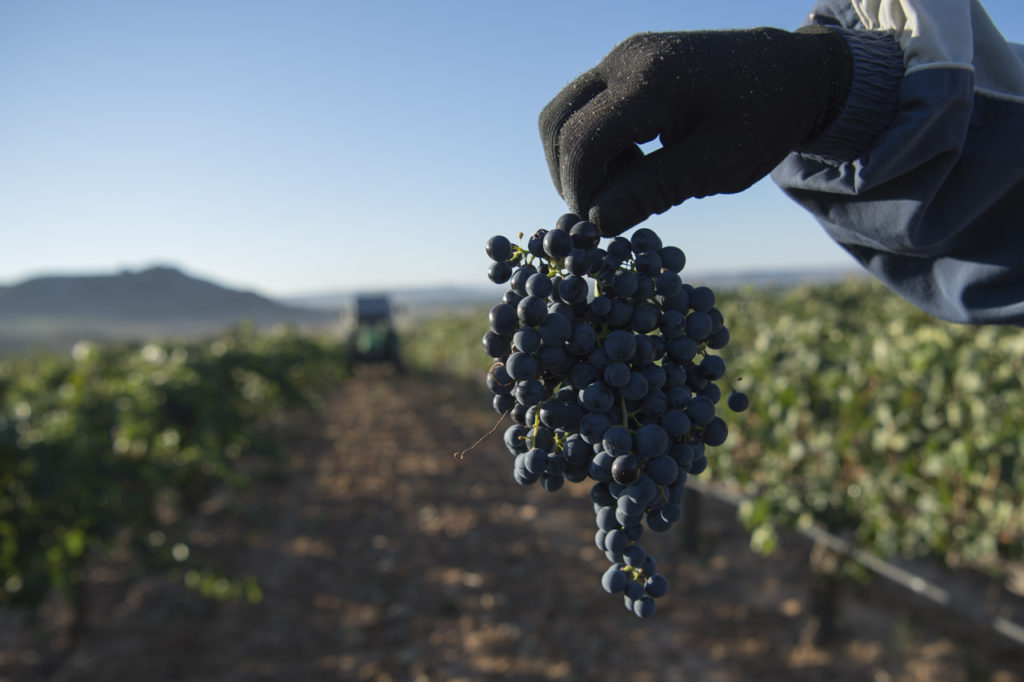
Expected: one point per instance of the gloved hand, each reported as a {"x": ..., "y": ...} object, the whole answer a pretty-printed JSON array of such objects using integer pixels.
[{"x": 728, "y": 106}]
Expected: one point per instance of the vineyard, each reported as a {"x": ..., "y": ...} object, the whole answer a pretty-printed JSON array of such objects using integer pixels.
[
  {"x": 872, "y": 419},
  {"x": 123, "y": 444},
  {"x": 251, "y": 508}
]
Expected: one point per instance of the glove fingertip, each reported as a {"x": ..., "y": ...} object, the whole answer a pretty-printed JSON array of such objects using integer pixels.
[
  {"x": 554, "y": 116},
  {"x": 610, "y": 220}
]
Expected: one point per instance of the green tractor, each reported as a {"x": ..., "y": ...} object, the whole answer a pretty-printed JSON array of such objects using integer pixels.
[{"x": 373, "y": 338}]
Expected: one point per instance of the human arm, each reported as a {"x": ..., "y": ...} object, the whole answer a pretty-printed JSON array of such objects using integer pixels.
[
  {"x": 920, "y": 174},
  {"x": 935, "y": 206}
]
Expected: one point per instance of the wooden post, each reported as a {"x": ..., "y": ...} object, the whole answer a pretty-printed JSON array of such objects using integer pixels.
[
  {"x": 80, "y": 611},
  {"x": 691, "y": 520},
  {"x": 823, "y": 599}
]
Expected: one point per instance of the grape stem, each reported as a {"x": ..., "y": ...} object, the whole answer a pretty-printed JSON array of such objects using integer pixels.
[
  {"x": 461, "y": 454},
  {"x": 634, "y": 573}
]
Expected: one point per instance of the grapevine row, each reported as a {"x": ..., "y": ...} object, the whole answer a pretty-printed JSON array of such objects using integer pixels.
[{"x": 121, "y": 444}]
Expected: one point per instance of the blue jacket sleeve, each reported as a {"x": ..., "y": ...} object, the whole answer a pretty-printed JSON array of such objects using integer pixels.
[{"x": 921, "y": 177}]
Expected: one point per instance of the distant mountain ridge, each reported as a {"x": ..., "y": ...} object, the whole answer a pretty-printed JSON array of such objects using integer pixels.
[
  {"x": 56, "y": 311},
  {"x": 157, "y": 293}
]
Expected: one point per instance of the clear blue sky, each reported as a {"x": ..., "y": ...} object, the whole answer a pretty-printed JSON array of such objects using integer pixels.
[{"x": 302, "y": 146}]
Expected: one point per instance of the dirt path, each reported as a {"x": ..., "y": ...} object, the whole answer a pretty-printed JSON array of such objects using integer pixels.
[{"x": 382, "y": 557}]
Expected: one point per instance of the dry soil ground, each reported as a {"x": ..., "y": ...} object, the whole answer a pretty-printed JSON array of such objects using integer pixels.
[{"x": 382, "y": 557}]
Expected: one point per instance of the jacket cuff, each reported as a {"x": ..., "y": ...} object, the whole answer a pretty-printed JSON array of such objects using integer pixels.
[{"x": 872, "y": 101}]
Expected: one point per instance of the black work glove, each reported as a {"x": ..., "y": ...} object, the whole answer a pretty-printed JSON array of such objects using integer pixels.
[{"x": 728, "y": 105}]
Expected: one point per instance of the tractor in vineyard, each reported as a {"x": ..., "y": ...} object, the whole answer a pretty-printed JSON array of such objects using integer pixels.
[{"x": 372, "y": 337}]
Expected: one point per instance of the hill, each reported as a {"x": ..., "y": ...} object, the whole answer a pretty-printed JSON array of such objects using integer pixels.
[{"x": 57, "y": 311}]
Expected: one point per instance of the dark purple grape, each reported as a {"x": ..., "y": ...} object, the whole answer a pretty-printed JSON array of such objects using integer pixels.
[
  {"x": 577, "y": 450},
  {"x": 551, "y": 357},
  {"x": 496, "y": 346},
  {"x": 678, "y": 397},
  {"x": 644, "y": 288},
  {"x": 645, "y": 239},
  {"x": 651, "y": 440},
  {"x": 532, "y": 310},
  {"x": 527, "y": 340},
  {"x": 573, "y": 289},
  {"x": 551, "y": 482},
  {"x": 738, "y": 401},
  {"x": 593, "y": 426},
  {"x": 620, "y": 314},
  {"x": 521, "y": 366},
  {"x": 620, "y": 249},
  {"x": 536, "y": 243},
  {"x": 539, "y": 285},
  {"x": 680, "y": 301},
  {"x": 712, "y": 367},
  {"x": 578, "y": 262},
  {"x": 616, "y": 541},
  {"x": 499, "y": 273},
  {"x": 553, "y": 414},
  {"x": 566, "y": 221},
  {"x": 535, "y": 461},
  {"x": 648, "y": 263},
  {"x": 555, "y": 329},
  {"x": 499, "y": 248},
  {"x": 498, "y": 380},
  {"x": 625, "y": 283},
  {"x": 672, "y": 258},
  {"x": 636, "y": 388},
  {"x": 503, "y": 403},
  {"x": 597, "y": 397},
  {"x": 503, "y": 319},
  {"x": 634, "y": 556},
  {"x": 601, "y": 306},
  {"x": 585, "y": 235},
  {"x": 717, "y": 319},
  {"x": 529, "y": 392},
  {"x": 617, "y": 441},
  {"x": 646, "y": 317},
  {"x": 620, "y": 345},
  {"x": 617, "y": 374},
  {"x": 599, "y": 495},
  {"x": 716, "y": 432},
  {"x": 583, "y": 339},
  {"x": 662, "y": 470},
  {"x": 515, "y": 438},
  {"x": 557, "y": 244},
  {"x": 625, "y": 469},
  {"x": 668, "y": 284},
  {"x": 614, "y": 580},
  {"x": 656, "y": 585},
  {"x": 719, "y": 339},
  {"x": 698, "y": 325},
  {"x": 701, "y": 410},
  {"x": 676, "y": 423},
  {"x": 702, "y": 298},
  {"x": 672, "y": 324}
]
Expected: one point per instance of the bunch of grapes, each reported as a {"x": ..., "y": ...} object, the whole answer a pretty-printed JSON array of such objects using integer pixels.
[{"x": 602, "y": 360}]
